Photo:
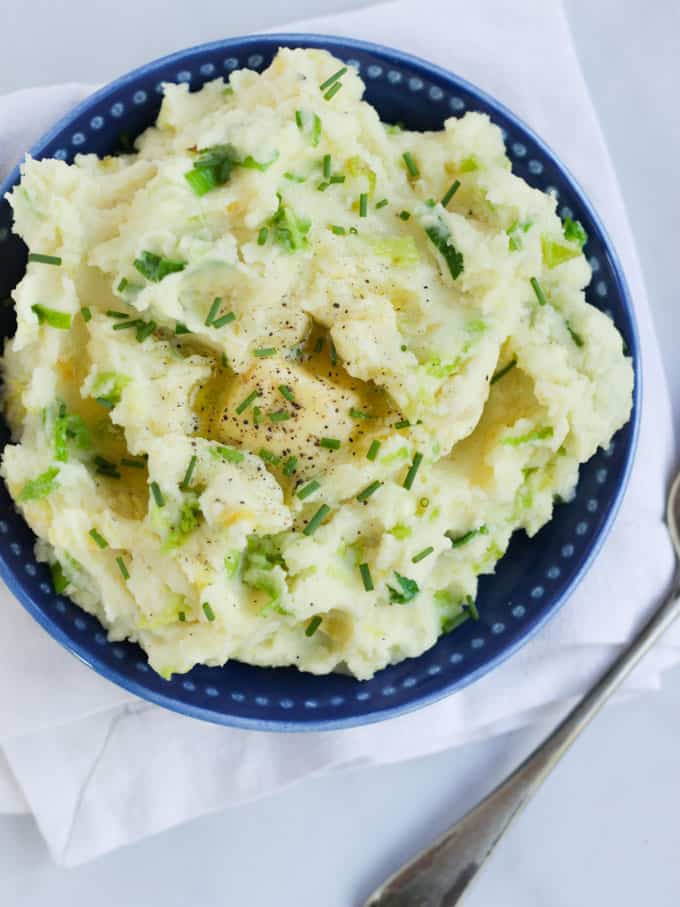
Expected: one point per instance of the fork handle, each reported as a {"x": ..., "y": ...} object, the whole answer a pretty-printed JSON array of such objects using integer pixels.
[{"x": 440, "y": 875}]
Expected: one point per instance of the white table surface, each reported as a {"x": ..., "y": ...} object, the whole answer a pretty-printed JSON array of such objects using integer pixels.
[{"x": 603, "y": 830}]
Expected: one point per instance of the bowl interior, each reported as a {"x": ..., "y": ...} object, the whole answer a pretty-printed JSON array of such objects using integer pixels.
[{"x": 533, "y": 578}]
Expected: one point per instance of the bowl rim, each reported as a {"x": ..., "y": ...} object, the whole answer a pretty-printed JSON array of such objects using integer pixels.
[{"x": 385, "y": 53}]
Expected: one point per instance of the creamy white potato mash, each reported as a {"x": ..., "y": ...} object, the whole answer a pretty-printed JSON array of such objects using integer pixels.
[{"x": 286, "y": 379}]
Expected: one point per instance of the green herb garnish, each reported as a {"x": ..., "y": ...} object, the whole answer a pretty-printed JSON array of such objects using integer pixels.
[
  {"x": 502, "y": 372},
  {"x": 51, "y": 317},
  {"x": 279, "y": 416},
  {"x": 59, "y": 579},
  {"x": 155, "y": 268},
  {"x": 574, "y": 232},
  {"x": 99, "y": 539},
  {"x": 373, "y": 450},
  {"x": 133, "y": 464},
  {"x": 212, "y": 169},
  {"x": 290, "y": 466},
  {"x": 264, "y": 352},
  {"x": 366, "y": 577},
  {"x": 290, "y": 231},
  {"x": 317, "y": 519},
  {"x": 450, "y": 192},
  {"x": 339, "y": 231},
  {"x": 363, "y": 204},
  {"x": 330, "y": 443},
  {"x": 86, "y": 313},
  {"x": 262, "y": 236},
  {"x": 366, "y": 493},
  {"x": 186, "y": 481},
  {"x": 245, "y": 403},
  {"x": 332, "y": 79},
  {"x": 287, "y": 393},
  {"x": 208, "y": 611},
  {"x": 578, "y": 340},
  {"x": 538, "y": 290},
  {"x": 268, "y": 456},
  {"x": 440, "y": 237},
  {"x": 157, "y": 494},
  {"x": 122, "y": 567},
  {"x": 426, "y": 552},
  {"x": 457, "y": 541},
  {"x": 404, "y": 215},
  {"x": 359, "y": 414},
  {"x": 407, "y": 591},
  {"x": 228, "y": 454},
  {"x": 332, "y": 91},
  {"x": 41, "y": 486},
  {"x": 39, "y": 258},
  {"x": 411, "y": 165},
  {"x": 381, "y": 203},
  {"x": 313, "y": 625},
  {"x": 413, "y": 469},
  {"x": 181, "y": 328},
  {"x": 308, "y": 489}
]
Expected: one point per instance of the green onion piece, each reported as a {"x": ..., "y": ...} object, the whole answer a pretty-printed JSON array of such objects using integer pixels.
[
  {"x": 502, "y": 372},
  {"x": 41, "y": 486},
  {"x": 317, "y": 519},
  {"x": 411, "y": 165},
  {"x": 373, "y": 450},
  {"x": 315, "y": 135},
  {"x": 440, "y": 237},
  {"x": 59, "y": 579},
  {"x": 333, "y": 351},
  {"x": 457, "y": 541},
  {"x": 290, "y": 466},
  {"x": 366, "y": 577},
  {"x": 223, "y": 320},
  {"x": 214, "y": 309},
  {"x": 122, "y": 285},
  {"x": 286, "y": 393},
  {"x": 186, "y": 481},
  {"x": 358, "y": 414},
  {"x": 541, "y": 434},
  {"x": 244, "y": 404},
  {"x": 157, "y": 494},
  {"x": 86, "y": 313},
  {"x": 98, "y": 538},
  {"x": 404, "y": 215},
  {"x": 123, "y": 569},
  {"x": 181, "y": 328},
  {"x": 201, "y": 181},
  {"x": 407, "y": 591},
  {"x": 257, "y": 415},
  {"x": 133, "y": 464},
  {"x": 403, "y": 423},
  {"x": 313, "y": 625},
  {"x": 229, "y": 454},
  {"x": 321, "y": 187},
  {"x": 574, "y": 232},
  {"x": 144, "y": 330},
  {"x": 51, "y": 317},
  {"x": 411, "y": 474},
  {"x": 262, "y": 236},
  {"x": 155, "y": 268},
  {"x": 181, "y": 616},
  {"x": 381, "y": 203},
  {"x": 339, "y": 231},
  {"x": 450, "y": 192},
  {"x": 330, "y": 443},
  {"x": 337, "y": 178},
  {"x": 268, "y": 456},
  {"x": 332, "y": 91},
  {"x": 279, "y": 416},
  {"x": 208, "y": 611},
  {"x": 44, "y": 259},
  {"x": 308, "y": 489},
  {"x": 578, "y": 340},
  {"x": 326, "y": 166},
  {"x": 298, "y": 119},
  {"x": 363, "y": 204},
  {"x": 354, "y": 231},
  {"x": 426, "y": 552},
  {"x": 318, "y": 346},
  {"x": 538, "y": 290},
  {"x": 365, "y": 494},
  {"x": 294, "y": 178},
  {"x": 265, "y": 352},
  {"x": 124, "y": 325},
  {"x": 334, "y": 78}
]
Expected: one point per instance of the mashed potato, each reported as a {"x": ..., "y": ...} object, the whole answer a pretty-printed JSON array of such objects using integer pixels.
[{"x": 286, "y": 379}]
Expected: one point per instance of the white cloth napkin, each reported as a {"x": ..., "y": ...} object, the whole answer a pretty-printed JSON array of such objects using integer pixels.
[{"x": 98, "y": 768}]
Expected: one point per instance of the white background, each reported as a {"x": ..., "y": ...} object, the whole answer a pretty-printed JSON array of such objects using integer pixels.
[{"x": 604, "y": 829}]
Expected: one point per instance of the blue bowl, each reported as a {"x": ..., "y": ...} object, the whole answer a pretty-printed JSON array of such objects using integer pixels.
[{"x": 535, "y": 577}]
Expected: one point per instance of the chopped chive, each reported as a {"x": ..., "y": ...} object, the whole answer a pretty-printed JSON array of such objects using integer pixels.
[
  {"x": 98, "y": 538},
  {"x": 317, "y": 519},
  {"x": 279, "y": 416},
  {"x": 294, "y": 178},
  {"x": 450, "y": 192},
  {"x": 330, "y": 443},
  {"x": 214, "y": 309},
  {"x": 402, "y": 423},
  {"x": 365, "y": 494},
  {"x": 354, "y": 231},
  {"x": 144, "y": 330},
  {"x": 422, "y": 555},
  {"x": 224, "y": 319},
  {"x": 298, "y": 119},
  {"x": 316, "y": 130},
  {"x": 578, "y": 340},
  {"x": 366, "y": 577},
  {"x": 186, "y": 481},
  {"x": 257, "y": 415},
  {"x": 318, "y": 346},
  {"x": 86, "y": 313},
  {"x": 157, "y": 494},
  {"x": 52, "y": 317},
  {"x": 339, "y": 231},
  {"x": 265, "y": 351},
  {"x": 308, "y": 489},
  {"x": 334, "y": 78},
  {"x": 208, "y": 611},
  {"x": 404, "y": 215},
  {"x": 181, "y": 328},
  {"x": 502, "y": 372},
  {"x": 181, "y": 616},
  {"x": 123, "y": 569},
  {"x": 538, "y": 290},
  {"x": 201, "y": 181},
  {"x": 337, "y": 178},
  {"x": 111, "y": 313},
  {"x": 457, "y": 541},
  {"x": 122, "y": 285},
  {"x": 244, "y": 404},
  {"x": 103, "y": 463},
  {"x": 411, "y": 474},
  {"x": 268, "y": 456},
  {"x": 313, "y": 625},
  {"x": 286, "y": 393},
  {"x": 363, "y": 204},
  {"x": 358, "y": 414},
  {"x": 133, "y": 464},
  {"x": 332, "y": 91},
  {"x": 290, "y": 466},
  {"x": 44, "y": 259},
  {"x": 382, "y": 203},
  {"x": 333, "y": 351},
  {"x": 411, "y": 165},
  {"x": 105, "y": 402},
  {"x": 224, "y": 362},
  {"x": 124, "y": 325},
  {"x": 373, "y": 450},
  {"x": 262, "y": 236},
  {"x": 321, "y": 187},
  {"x": 326, "y": 166}
]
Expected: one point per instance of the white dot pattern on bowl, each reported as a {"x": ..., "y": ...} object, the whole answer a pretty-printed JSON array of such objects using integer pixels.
[
  {"x": 601, "y": 476},
  {"x": 455, "y": 658},
  {"x": 15, "y": 548},
  {"x": 363, "y": 695},
  {"x": 238, "y": 697},
  {"x": 96, "y": 122},
  {"x": 4, "y": 233},
  {"x": 61, "y": 154},
  {"x": 337, "y": 701},
  {"x": 311, "y": 704},
  {"x": 565, "y": 211},
  {"x": 262, "y": 700},
  {"x": 374, "y": 72},
  {"x": 434, "y": 669},
  {"x": 45, "y": 588},
  {"x": 601, "y": 288},
  {"x": 581, "y": 528},
  {"x": 518, "y": 149},
  {"x": 567, "y": 551},
  {"x": 143, "y": 668},
  {"x": 435, "y": 93},
  {"x": 415, "y": 84},
  {"x": 537, "y": 592},
  {"x": 61, "y": 608},
  {"x": 393, "y": 76},
  {"x": 591, "y": 505},
  {"x": 255, "y": 61},
  {"x": 518, "y": 611},
  {"x": 100, "y": 639},
  {"x": 117, "y": 109},
  {"x": 189, "y": 686},
  {"x": 118, "y": 653},
  {"x": 78, "y": 138},
  {"x": 286, "y": 703},
  {"x": 535, "y": 167},
  {"x": 553, "y": 573},
  {"x": 457, "y": 104},
  {"x": 212, "y": 692},
  {"x": 594, "y": 263},
  {"x": 31, "y": 569},
  {"x": 230, "y": 63},
  {"x": 552, "y": 190},
  {"x": 78, "y": 623},
  {"x": 208, "y": 69},
  {"x": 477, "y": 642},
  {"x": 408, "y": 682},
  {"x": 497, "y": 628},
  {"x": 4, "y": 528},
  {"x": 139, "y": 97},
  {"x": 389, "y": 691},
  {"x": 353, "y": 64},
  {"x": 183, "y": 76}
]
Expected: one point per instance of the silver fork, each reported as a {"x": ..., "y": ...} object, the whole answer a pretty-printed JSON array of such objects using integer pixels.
[{"x": 440, "y": 875}]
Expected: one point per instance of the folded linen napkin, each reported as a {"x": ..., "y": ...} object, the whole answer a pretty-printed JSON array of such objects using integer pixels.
[{"x": 121, "y": 769}]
